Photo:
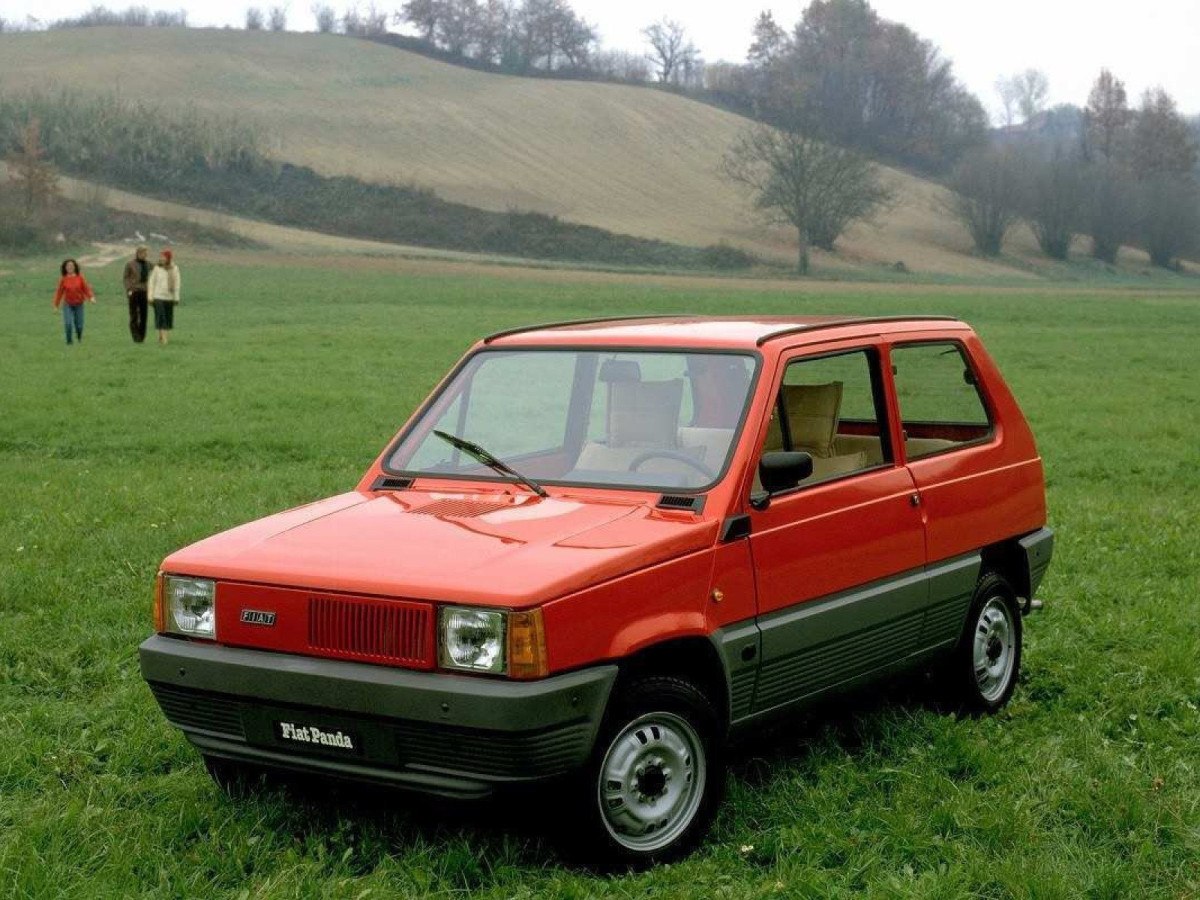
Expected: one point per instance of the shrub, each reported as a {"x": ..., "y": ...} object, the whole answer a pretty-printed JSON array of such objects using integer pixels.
[{"x": 726, "y": 256}]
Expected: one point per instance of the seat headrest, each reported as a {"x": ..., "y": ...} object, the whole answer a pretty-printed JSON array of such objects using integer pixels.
[
  {"x": 644, "y": 413},
  {"x": 812, "y": 414},
  {"x": 615, "y": 370}
]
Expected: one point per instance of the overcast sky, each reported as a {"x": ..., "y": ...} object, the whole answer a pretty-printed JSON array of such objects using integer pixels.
[{"x": 1154, "y": 42}]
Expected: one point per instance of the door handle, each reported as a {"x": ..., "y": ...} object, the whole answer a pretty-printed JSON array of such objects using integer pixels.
[{"x": 914, "y": 499}]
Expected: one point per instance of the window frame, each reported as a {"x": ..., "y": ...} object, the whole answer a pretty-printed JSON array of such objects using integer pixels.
[
  {"x": 438, "y": 393},
  {"x": 977, "y": 383},
  {"x": 879, "y": 392}
]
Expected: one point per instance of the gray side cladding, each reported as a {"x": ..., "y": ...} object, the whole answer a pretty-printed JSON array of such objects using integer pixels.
[{"x": 820, "y": 645}]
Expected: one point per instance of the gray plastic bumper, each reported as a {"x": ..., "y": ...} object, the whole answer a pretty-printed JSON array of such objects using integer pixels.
[{"x": 433, "y": 732}]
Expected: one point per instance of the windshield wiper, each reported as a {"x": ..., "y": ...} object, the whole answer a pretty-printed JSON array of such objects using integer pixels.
[{"x": 478, "y": 454}]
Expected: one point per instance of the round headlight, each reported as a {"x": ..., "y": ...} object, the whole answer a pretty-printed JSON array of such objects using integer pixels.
[
  {"x": 192, "y": 605},
  {"x": 472, "y": 639}
]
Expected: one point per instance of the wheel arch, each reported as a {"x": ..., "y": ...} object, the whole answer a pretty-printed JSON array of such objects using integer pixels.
[
  {"x": 693, "y": 657},
  {"x": 1007, "y": 559}
]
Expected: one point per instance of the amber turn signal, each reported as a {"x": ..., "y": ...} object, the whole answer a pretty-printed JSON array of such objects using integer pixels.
[
  {"x": 527, "y": 645},
  {"x": 160, "y": 614}
]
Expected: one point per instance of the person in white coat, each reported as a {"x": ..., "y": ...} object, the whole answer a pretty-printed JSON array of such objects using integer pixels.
[{"x": 162, "y": 287}]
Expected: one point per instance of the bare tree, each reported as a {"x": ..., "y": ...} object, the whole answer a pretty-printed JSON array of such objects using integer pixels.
[
  {"x": 985, "y": 198},
  {"x": 326, "y": 18},
  {"x": 1162, "y": 141},
  {"x": 1007, "y": 90},
  {"x": 770, "y": 41},
  {"x": 492, "y": 29},
  {"x": 1107, "y": 117},
  {"x": 277, "y": 18},
  {"x": 366, "y": 24},
  {"x": 1052, "y": 200},
  {"x": 809, "y": 184},
  {"x": 1034, "y": 87},
  {"x": 425, "y": 15},
  {"x": 621, "y": 65},
  {"x": 254, "y": 19},
  {"x": 671, "y": 51},
  {"x": 1169, "y": 221},
  {"x": 1025, "y": 93},
  {"x": 30, "y": 171},
  {"x": 1110, "y": 208}
]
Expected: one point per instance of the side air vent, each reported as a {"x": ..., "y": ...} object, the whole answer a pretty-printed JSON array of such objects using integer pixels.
[
  {"x": 391, "y": 483},
  {"x": 685, "y": 502}
]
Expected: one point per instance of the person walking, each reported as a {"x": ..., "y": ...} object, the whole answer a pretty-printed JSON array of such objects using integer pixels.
[
  {"x": 73, "y": 291},
  {"x": 137, "y": 273},
  {"x": 163, "y": 289}
]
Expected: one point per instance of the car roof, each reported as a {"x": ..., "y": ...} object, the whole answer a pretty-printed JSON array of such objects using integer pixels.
[{"x": 725, "y": 332}]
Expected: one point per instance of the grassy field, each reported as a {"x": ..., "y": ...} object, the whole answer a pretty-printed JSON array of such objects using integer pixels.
[
  {"x": 283, "y": 382},
  {"x": 628, "y": 159}
]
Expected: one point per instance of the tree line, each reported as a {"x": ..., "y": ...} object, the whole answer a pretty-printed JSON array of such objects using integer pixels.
[
  {"x": 1125, "y": 176},
  {"x": 865, "y": 81}
]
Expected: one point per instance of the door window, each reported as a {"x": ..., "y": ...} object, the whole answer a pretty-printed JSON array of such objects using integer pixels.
[
  {"x": 941, "y": 407},
  {"x": 832, "y": 408}
]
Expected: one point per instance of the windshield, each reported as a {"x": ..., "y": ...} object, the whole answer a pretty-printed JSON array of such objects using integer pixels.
[{"x": 647, "y": 419}]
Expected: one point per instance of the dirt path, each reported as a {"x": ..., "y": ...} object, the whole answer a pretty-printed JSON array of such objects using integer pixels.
[{"x": 103, "y": 255}]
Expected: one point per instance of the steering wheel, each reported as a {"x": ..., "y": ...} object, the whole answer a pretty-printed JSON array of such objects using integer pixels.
[{"x": 675, "y": 455}]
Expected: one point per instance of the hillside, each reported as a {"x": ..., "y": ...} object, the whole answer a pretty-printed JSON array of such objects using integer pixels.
[{"x": 628, "y": 159}]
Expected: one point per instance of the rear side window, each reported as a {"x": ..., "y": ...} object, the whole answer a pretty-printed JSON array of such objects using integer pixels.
[{"x": 941, "y": 407}]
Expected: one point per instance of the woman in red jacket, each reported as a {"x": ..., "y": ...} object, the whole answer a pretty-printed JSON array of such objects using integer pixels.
[{"x": 73, "y": 291}]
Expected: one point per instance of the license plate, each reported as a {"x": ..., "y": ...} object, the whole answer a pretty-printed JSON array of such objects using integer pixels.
[{"x": 316, "y": 737}]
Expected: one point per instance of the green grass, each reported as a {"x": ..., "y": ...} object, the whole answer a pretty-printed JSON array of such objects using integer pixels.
[{"x": 280, "y": 387}]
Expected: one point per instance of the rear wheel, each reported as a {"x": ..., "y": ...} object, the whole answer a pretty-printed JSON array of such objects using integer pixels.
[
  {"x": 987, "y": 660},
  {"x": 655, "y": 779}
]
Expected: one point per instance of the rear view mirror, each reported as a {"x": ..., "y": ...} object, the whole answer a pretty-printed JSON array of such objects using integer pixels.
[{"x": 782, "y": 470}]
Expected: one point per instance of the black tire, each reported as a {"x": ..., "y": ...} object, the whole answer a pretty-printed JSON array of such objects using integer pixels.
[
  {"x": 986, "y": 663},
  {"x": 678, "y": 761},
  {"x": 237, "y": 780}
]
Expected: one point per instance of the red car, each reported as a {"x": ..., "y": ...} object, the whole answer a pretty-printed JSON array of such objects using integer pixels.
[{"x": 602, "y": 550}]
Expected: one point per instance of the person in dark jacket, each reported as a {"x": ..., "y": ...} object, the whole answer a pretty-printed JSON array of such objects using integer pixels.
[{"x": 137, "y": 271}]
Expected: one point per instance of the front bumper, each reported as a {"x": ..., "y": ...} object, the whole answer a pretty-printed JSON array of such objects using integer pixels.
[{"x": 452, "y": 735}]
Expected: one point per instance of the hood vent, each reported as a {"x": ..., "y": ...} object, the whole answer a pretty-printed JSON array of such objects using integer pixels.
[
  {"x": 391, "y": 483},
  {"x": 459, "y": 508},
  {"x": 684, "y": 502}
]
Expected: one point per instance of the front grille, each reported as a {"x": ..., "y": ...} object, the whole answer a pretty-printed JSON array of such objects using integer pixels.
[
  {"x": 196, "y": 711},
  {"x": 396, "y": 632}
]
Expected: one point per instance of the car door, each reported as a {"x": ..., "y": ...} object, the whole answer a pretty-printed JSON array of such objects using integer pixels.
[
  {"x": 839, "y": 558},
  {"x": 967, "y": 479}
]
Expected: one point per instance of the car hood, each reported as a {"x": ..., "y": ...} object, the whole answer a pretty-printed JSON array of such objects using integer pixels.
[{"x": 483, "y": 548}]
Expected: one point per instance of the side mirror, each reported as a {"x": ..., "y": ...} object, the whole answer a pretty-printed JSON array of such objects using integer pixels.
[{"x": 782, "y": 470}]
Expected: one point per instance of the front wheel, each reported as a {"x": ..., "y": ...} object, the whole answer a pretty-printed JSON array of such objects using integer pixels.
[
  {"x": 987, "y": 660},
  {"x": 655, "y": 779}
]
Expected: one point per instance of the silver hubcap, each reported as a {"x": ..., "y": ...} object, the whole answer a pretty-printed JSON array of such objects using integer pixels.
[
  {"x": 995, "y": 649},
  {"x": 652, "y": 781}
]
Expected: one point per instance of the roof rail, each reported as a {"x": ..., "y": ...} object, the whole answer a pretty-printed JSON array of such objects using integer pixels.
[
  {"x": 861, "y": 320},
  {"x": 568, "y": 322}
]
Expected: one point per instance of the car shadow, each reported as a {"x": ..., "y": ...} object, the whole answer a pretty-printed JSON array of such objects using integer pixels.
[{"x": 517, "y": 827}]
